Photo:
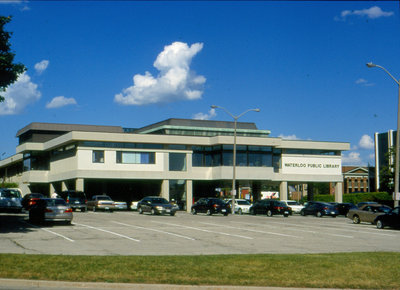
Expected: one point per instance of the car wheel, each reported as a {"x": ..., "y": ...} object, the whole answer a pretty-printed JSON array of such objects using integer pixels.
[
  {"x": 240, "y": 211},
  {"x": 94, "y": 209},
  {"x": 333, "y": 216},
  {"x": 172, "y": 214},
  {"x": 83, "y": 209},
  {"x": 140, "y": 210},
  {"x": 319, "y": 214},
  {"x": 252, "y": 211},
  {"x": 379, "y": 224},
  {"x": 209, "y": 212},
  {"x": 226, "y": 214},
  {"x": 302, "y": 212},
  {"x": 356, "y": 219},
  {"x": 194, "y": 212},
  {"x": 285, "y": 215},
  {"x": 269, "y": 213},
  {"x": 153, "y": 212}
]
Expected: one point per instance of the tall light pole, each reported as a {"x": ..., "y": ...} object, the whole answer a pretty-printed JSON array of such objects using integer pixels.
[
  {"x": 235, "y": 118},
  {"x": 396, "y": 194}
]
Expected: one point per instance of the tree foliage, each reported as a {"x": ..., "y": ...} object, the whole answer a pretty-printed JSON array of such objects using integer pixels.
[{"x": 9, "y": 71}]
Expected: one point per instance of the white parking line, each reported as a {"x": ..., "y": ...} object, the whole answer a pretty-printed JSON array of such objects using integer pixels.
[
  {"x": 207, "y": 231},
  {"x": 51, "y": 232},
  {"x": 154, "y": 230},
  {"x": 303, "y": 231},
  {"x": 113, "y": 233},
  {"x": 255, "y": 231},
  {"x": 341, "y": 229}
]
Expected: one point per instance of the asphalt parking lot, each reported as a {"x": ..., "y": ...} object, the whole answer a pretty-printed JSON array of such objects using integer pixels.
[{"x": 129, "y": 233}]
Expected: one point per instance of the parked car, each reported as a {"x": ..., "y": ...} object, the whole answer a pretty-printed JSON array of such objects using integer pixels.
[
  {"x": 156, "y": 205},
  {"x": 210, "y": 206},
  {"x": 294, "y": 205},
  {"x": 120, "y": 205},
  {"x": 10, "y": 200},
  {"x": 270, "y": 207},
  {"x": 241, "y": 205},
  {"x": 390, "y": 219},
  {"x": 50, "y": 209},
  {"x": 100, "y": 202},
  {"x": 30, "y": 199},
  {"x": 319, "y": 209},
  {"x": 75, "y": 199},
  {"x": 344, "y": 207},
  {"x": 367, "y": 213}
]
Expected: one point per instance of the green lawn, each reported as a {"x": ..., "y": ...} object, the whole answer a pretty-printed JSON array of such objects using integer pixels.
[{"x": 342, "y": 270}]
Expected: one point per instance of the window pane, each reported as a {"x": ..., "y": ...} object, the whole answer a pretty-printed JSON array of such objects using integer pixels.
[
  {"x": 177, "y": 162},
  {"x": 98, "y": 156}
]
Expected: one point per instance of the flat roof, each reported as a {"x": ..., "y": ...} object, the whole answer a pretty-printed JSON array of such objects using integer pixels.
[{"x": 57, "y": 127}]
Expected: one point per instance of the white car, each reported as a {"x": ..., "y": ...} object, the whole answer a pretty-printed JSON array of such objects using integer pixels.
[
  {"x": 120, "y": 205},
  {"x": 241, "y": 205},
  {"x": 134, "y": 205},
  {"x": 294, "y": 205}
]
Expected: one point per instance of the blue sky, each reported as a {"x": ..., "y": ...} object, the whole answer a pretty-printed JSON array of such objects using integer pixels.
[{"x": 133, "y": 63}]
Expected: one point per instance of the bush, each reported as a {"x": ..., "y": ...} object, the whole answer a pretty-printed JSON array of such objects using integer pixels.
[
  {"x": 8, "y": 185},
  {"x": 380, "y": 197}
]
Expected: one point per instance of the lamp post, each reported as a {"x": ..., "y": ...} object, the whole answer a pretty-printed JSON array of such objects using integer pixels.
[
  {"x": 235, "y": 118},
  {"x": 396, "y": 168}
]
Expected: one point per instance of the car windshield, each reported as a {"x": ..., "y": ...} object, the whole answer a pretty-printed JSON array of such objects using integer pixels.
[
  {"x": 159, "y": 200},
  {"x": 103, "y": 197},
  {"x": 292, "y": 203},
  {"x": 11, "y": 193},
  {"x": 55, "y": 202},
  {"x": 384, "y": 209},
  {"x": 243, "y": 202},
  {"x": 280, "y": 203}
]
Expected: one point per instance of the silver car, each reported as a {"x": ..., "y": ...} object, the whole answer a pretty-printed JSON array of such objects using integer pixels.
[
  {"x": 50, "y": 209},
  {"x": 10, "y": 200}
]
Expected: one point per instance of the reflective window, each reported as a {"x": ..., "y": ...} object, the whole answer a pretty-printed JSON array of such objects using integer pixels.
[
  {"x": 135, "y": 157},
  {"x": 98, "y": 156},
  {"x": 177, "y": 161}
]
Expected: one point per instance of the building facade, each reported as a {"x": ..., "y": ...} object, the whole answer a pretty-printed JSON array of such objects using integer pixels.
[{"x": 178, "y": 159}]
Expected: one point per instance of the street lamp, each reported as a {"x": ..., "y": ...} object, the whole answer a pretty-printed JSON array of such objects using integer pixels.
[
  {"x": 396, "y": 168},
  {"x": 235, "y": 118}
]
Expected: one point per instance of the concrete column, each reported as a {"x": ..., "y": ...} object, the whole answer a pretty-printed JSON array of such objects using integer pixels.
[
  {"x": 79, "y": 184},
  {"x": 165, "y": 189},
  {"x": 64, "y": 186},
  {"x": 283, "y": 190},
  {"x": 339, "y": 192},
  {"x": 189, "y": 195},
  {"x": 52, "y": 189}
]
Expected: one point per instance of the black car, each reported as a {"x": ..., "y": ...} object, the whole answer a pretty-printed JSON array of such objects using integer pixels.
[
  {"x": 319, "y": 209},
  {"x": 270, "y": 207},
  {"x": 156, "y": 205},
  {"x": 344, "y": 207},
  {"x": 75, "y": 199},
  {"x": 211, "y": 205},
  {"x": 30, "y": 199},
  {"x": 390, "y": 219}
]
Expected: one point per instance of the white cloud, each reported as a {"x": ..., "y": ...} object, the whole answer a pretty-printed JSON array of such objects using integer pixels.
[
  {"x": 371, "y": 13},
  {"x": 19, "y": 95},
  {"x": 363, "y": 82},
  {"x": 59, "y": 102},
  {"x": 175, "y": 80},
  {"x": 201, "y": 116},
  {"x": 352, "y": 158},
  {"x": 41, "y": 66},
  {"x": 289, "y": 137},
  {"x": 366, "y": 142}
]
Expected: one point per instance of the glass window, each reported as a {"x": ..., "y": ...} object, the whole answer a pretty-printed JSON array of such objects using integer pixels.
[
  {"x": 177, "y": 161},
  {"x": 135, "y": 157},
  {"x": 98, "y": 156}
]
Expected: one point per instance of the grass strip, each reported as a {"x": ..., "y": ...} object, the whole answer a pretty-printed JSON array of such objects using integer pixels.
[{"x": 377, "y": 270}]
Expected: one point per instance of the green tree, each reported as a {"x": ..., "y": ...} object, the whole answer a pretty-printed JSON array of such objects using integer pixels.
[{"x": 9, "y": 71}]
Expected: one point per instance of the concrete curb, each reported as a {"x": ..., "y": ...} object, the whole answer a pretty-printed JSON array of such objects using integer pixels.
[{"x": 29, "y": 284}]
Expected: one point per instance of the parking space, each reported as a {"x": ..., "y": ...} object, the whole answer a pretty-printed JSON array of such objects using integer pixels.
[{"x": 129, "y": 233}]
